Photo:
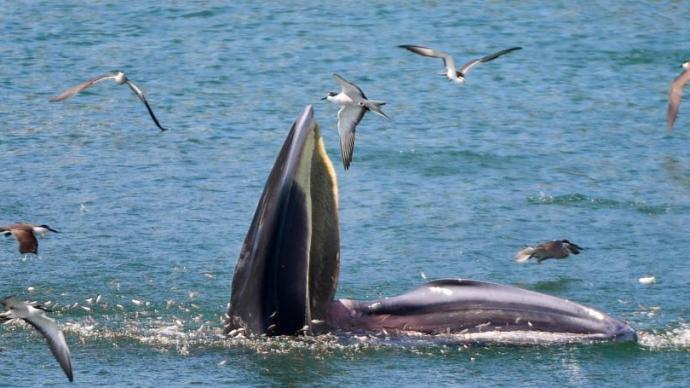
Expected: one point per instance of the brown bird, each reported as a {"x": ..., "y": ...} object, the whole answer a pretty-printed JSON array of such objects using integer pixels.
[
  {"x": 119, "y": 78},
  {"x": 675, "y": 93},
  {"x": 559, "y": 249},
  {"x": 25, "y": 235}
]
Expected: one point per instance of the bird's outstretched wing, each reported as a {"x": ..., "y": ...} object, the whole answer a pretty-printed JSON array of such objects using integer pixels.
[
  {"x": 56, "y": 341},
  {"x": 469, "y": 65},
  {"x": 349, "y": 88},
  {"x": 17, "y": 309},
  {"x": 448, "y": 61},
  {"x": 674, "y": 95},
  {"x": 140, "y": 94},
  {"x": 348, "y": 118},
  {"x": 26, "y": 239},
  {"x": 81, "y": 87}
]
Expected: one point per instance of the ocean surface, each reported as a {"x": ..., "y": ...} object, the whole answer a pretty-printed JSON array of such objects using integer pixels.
[{"x": 563, "y": 139}]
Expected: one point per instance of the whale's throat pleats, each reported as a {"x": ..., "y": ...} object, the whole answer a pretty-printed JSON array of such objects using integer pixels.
[{"x": 324, "y": 257}]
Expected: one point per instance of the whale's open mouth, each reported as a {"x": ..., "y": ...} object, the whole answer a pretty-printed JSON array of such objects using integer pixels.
[
  {"x": 286, "y": 276},
  {"x": 287, "y": 271}
]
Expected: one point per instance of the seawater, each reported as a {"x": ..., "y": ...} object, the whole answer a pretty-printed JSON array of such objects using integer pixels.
[{"x": 563, "y": 139}]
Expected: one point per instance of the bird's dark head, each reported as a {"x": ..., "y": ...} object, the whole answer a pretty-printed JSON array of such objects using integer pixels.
[
  {"x": 44, "y": 226},
  {"x": 330, "y": 94},
  {"x": 573, "y": 247}
]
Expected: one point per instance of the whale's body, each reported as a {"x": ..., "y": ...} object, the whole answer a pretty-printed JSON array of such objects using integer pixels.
[
  {"x": 287, "y": 273},
  {"x": 471, "y": 307}
]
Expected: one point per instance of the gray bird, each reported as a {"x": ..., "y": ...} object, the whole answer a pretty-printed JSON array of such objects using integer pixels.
[
  {"x": 119, "y": 78},
  {"x": 36, "y": 317},
  {"x": 675, "y": 93},
  {"x": 457, "y": 76},
  {"x": 559, "y": 249},
  {"x": 353, "y": 105},
  {"x": 26, "y": 235}
]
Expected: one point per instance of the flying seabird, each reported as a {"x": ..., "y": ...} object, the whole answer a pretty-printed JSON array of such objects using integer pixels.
[
  {"x": 675, "y": 93},
  {"x": 36, "y": 317},
  {"x": 117, "y": 76},
  {"x": 453, "y": 74},
  {"x": 558, "y": 249},
  {"x": 353, "y": 105},
  {"x": 25, "y": 235}
]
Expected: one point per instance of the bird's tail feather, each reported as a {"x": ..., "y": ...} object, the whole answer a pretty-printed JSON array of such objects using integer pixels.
[
  {"x": 524, "y": 254},
  {"x": 375, "y": 106}
]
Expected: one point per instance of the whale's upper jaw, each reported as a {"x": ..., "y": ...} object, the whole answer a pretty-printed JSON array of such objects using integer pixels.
[{"x": 288, "y": 268}]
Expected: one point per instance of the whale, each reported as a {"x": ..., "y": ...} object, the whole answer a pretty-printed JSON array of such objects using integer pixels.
[{"x": 286, "y": 276}]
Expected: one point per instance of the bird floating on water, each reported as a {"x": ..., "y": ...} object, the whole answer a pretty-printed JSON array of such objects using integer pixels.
[
  {"x": 117, "y": 76},
  {"x": 353, "y": 105},
  {"x": 450, "y": 71},
  {"x": 675, "y": 93},
  {"x": 36, "y": 317},
  {"x": 559, "y": 249},
  {"x": 26, "y": 235}
]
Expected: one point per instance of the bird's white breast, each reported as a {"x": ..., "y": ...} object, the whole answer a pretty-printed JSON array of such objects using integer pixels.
[
  {"x": 38, "y": 229},
  {"x": 341, "y": 99}
]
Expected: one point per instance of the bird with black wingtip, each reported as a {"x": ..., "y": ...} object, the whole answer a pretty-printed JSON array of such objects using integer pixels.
[
  {"x": 353, "y": 105},
  {"x": 35, "y": 315},
  {"x": 119, "y": 78},
  {"x": 453, "y": 74},
  {"x": 558, "y": 249},
  {"x": 25, "y": 234}
]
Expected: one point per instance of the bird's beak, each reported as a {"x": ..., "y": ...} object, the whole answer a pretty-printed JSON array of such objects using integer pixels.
[
  {"x": 323, "y": 98},
  {"x": 51, "y": 229}
]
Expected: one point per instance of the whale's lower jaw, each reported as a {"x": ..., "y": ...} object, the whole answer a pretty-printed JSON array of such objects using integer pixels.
[{"x": 503, "y": 335}]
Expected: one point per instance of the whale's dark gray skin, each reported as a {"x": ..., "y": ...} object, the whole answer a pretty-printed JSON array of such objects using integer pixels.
[
  {"x": 288, "y": 268},
  {"x": 470, "y": 306},
  {"x": 286, "y": 276}
]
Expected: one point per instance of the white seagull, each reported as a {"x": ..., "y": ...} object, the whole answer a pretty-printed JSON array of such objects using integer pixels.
[
  {"x": 675, "y": 93},
  {"x": 353, "y": 105},
  {"x": 117, "y": 76},
  {"x": 451, "y": 72},
  {"x": 36, "y": 317}
]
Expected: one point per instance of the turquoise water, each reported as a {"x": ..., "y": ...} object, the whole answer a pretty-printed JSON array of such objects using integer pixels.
[{"x": 564, "y": 139}]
